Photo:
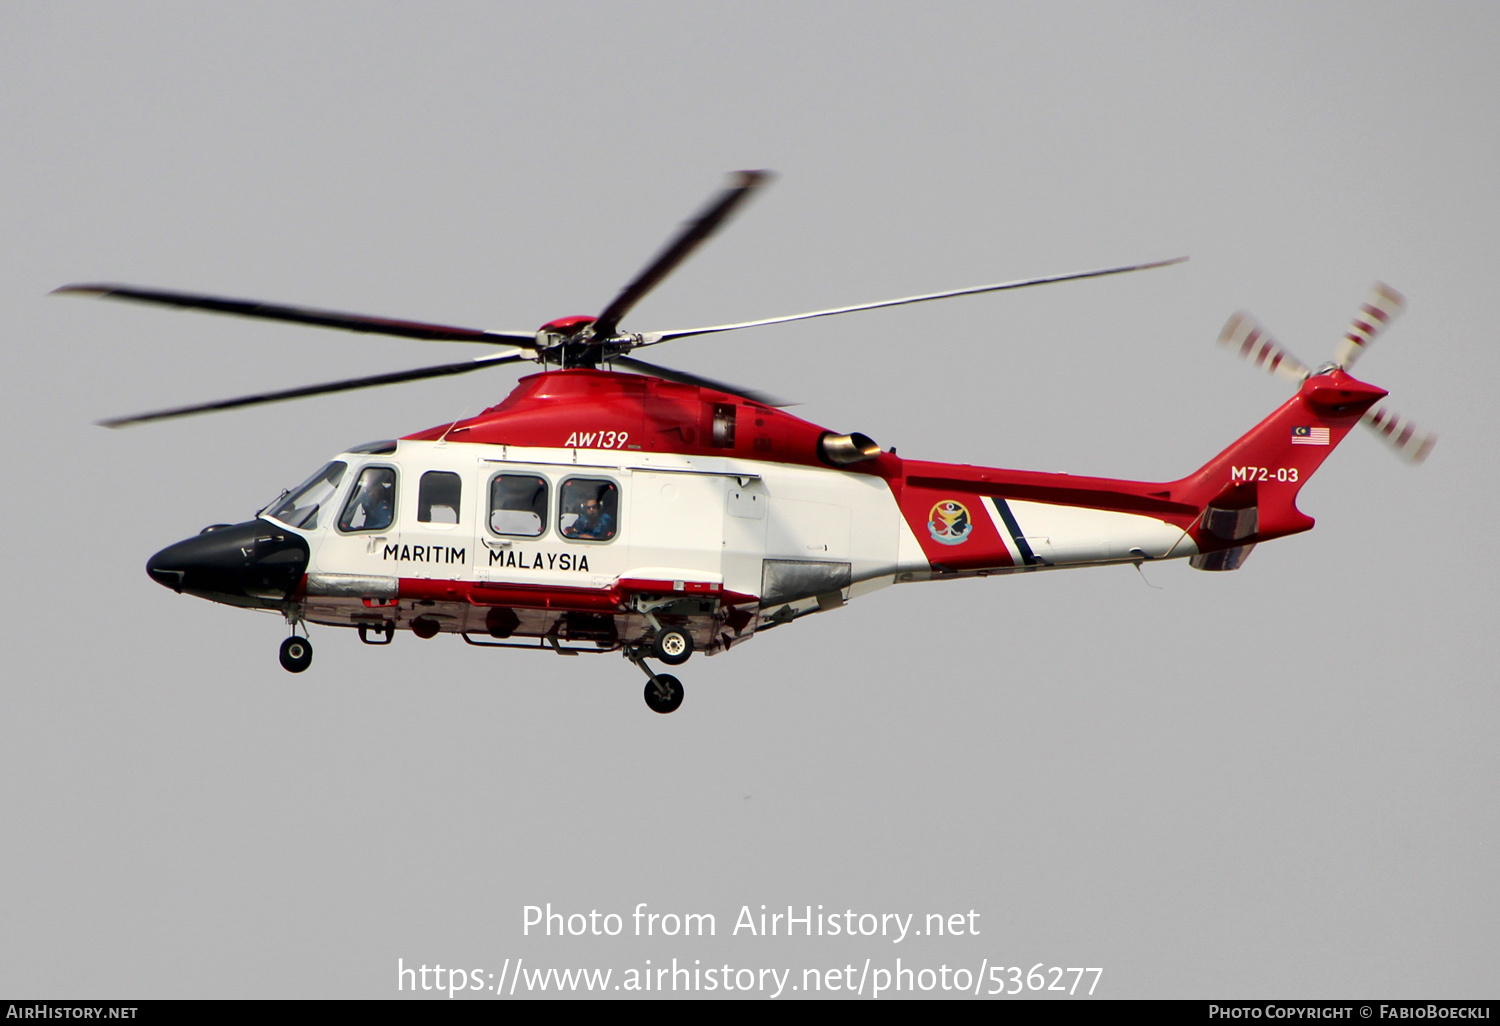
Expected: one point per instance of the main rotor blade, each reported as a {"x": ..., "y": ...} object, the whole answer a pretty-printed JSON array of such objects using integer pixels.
[
  {"x": 666, "y": 373},
  {"x": 688, "y": 239},
  {"x": 306, "y": 315},
  {"x": 1252, "y": 342},
  {"x": 1384, "y": 305},
  {"x": 1409, "y": 441},
  {"x": 666, "y": 336},
  {"x": 332, "y": 386}
]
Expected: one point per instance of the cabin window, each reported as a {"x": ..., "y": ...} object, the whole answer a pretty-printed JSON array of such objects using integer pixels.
[
  {"x": 300, "y": 507},
  {"x": 518, "y": 505},
  {"x": 589, "y": 510},
  {"x": 437, "y": 497},
  {"x": 372, "y": 504}
]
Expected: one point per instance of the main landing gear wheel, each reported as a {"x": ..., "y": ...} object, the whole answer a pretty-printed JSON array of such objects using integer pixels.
[
  {"x": 673, "y": 646},
  {"x": 296, "y": 655},
  {"x": 663, "y": 693}
]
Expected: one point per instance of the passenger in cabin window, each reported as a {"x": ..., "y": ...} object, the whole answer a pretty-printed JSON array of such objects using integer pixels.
[{"x": 592, "y": 522}]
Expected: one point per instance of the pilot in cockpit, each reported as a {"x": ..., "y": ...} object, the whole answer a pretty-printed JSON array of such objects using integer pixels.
[{"x": 372, "y": 507}]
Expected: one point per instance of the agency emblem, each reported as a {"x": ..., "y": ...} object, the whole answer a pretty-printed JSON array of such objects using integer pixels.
[{"x": 949, "y": 523}]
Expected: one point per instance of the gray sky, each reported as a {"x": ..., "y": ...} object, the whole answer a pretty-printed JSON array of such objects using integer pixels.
[{"x": 1277, "y": 783}]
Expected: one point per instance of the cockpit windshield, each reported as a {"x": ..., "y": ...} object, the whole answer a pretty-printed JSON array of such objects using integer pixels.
[{"x": 299, "y": 508}]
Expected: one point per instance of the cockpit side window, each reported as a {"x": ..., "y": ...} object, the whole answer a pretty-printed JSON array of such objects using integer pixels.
[
  {"x": 300, "y": 507},
  {"x": 372, "y": 504},
  {"x": 589, "y": 509},
  {"x": 438, "y": 497},
  {"x": 518, "y": 505}
]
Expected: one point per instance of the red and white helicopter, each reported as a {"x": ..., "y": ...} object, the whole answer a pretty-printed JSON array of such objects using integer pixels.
[{"x": 659, "y": 513}]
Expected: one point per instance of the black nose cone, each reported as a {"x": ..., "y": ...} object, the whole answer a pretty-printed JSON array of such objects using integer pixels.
[{"x": 251, "y": 564}]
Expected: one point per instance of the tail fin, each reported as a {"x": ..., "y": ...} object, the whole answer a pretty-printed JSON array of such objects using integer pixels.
[{"x": 1248, "y": 493}]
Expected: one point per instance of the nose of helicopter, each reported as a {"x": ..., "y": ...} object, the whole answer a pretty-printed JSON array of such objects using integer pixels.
[{"x": 251, "y": 564}]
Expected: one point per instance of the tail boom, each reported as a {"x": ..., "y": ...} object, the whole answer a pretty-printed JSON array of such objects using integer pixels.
[{"x": 979, "y": 519}]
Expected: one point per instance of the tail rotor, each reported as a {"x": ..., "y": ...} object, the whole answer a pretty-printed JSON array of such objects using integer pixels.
[{"x": 1253, "y": 343}]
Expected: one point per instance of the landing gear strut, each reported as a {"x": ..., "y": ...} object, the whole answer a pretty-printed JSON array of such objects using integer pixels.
[
  {"x": 663, "y": 691},
  {"x": 296, "y": 654}
]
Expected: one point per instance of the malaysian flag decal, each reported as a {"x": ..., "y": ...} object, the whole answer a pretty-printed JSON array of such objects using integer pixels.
[{"x": 1309, "y": 436}]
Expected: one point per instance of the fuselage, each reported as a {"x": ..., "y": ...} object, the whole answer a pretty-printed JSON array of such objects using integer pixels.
[{"x": 592, "y": 508}]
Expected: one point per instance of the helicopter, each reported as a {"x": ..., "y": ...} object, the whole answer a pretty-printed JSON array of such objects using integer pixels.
[{"x": 609, "y": 504}]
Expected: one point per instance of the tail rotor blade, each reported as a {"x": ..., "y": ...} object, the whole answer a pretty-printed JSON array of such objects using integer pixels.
[
  {"x": 1242, "y": 334},
  {"x": 1382, "y": 307},
  {"x": 1409, "y": 441}
]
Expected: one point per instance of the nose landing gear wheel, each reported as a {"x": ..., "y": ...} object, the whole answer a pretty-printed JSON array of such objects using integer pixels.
[
  {"x": 673, "y": 646},
  {"x": 296, "y": 655},
  {"x": 663, "y": 693}
]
